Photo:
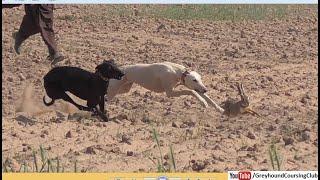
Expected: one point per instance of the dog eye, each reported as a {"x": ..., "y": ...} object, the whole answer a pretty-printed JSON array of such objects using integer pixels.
[{"x": 194, "y": 80}]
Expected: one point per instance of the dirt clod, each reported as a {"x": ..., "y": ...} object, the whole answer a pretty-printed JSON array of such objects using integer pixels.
[
  {"x": 125, "y": 139},
  {"x": 129, "y": 153},
  {"x": 68, "y": 134},
  {"x": 288, "y": 140},
  {"x": 90, "y": 150},
  {"x": 251, "y": 135},
  {"x": 305, "y": 136},
  {"x": 199, "y": 165},
  {"x": 115, "y": 150},
  {"x": 174, "y": 124}
]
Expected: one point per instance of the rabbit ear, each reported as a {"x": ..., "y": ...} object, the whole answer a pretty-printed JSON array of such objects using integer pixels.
[
  {"x": 239, "y": 88},
  {"x": 242, "y": 89},
  {"x": 244, "y": 97},
  {"x": 242, "y": 94}
]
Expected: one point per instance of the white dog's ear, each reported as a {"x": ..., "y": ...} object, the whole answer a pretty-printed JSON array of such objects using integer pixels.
[
  {"x": 185, "y": 73},
  {"x": 187, "y": 70}
]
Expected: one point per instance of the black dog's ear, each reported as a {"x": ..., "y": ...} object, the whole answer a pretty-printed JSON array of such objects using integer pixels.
[
  {"x": 98, "y": 67},
  {"x": 111, "y": 61}
]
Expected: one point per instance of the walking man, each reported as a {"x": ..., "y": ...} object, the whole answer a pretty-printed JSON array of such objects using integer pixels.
[{"x": 38, "y": 18}]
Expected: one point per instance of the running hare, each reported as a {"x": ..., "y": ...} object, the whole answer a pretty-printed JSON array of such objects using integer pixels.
[{"x": 233, "y": 107}]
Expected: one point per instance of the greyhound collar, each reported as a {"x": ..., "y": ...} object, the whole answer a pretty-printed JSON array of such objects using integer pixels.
[
  {"x": 183, "y": 77},
  {"x": 100, "y": 75}
]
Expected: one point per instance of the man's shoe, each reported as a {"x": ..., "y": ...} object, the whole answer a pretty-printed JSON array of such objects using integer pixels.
[
  {"x": 17, "y": 42},
  {"x": 55, "y": 58}
]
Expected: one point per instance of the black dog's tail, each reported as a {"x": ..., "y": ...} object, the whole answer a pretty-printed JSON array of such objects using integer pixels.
[{"x": 49, "y": 103}]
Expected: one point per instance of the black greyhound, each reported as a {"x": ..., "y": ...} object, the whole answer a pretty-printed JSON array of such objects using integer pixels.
[{"x": 83, "y": 84}]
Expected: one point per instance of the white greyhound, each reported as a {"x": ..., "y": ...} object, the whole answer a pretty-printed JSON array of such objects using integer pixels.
[{"x": 161, "y": 77}]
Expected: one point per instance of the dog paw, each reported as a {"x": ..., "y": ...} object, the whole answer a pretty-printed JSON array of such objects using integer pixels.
[
  {"x": 94, "y": 114},
  {"x": 105, "y": 118},
  {"x": 221, "y": 110}
]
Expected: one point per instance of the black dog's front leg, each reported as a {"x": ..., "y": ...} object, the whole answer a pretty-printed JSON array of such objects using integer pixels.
[
  {"x": 101, "y": 114},
  {"x": 92, "y": 103},
  {"x": 102, "y": 110},
  {"x": 101, "y": 104}
]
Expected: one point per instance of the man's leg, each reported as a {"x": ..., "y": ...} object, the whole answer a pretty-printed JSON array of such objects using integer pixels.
[
  {"x": 45, "y": 19},
  {"x": 28, "y": 27},
  {"x": 9, "y": 5}
]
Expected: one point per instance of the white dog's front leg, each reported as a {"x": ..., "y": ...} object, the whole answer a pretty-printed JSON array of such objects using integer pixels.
[
  {"x": 187, "y": 92},
  {"x": 214, "y": 104}
]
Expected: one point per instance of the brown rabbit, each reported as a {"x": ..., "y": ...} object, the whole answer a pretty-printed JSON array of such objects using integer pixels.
[{"x": 233, "y": 107}]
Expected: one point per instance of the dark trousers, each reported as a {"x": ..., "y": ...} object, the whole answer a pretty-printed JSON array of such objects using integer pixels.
[
  {"x": 9, "y": 5},
  {"x": 39, "y": 18}
]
